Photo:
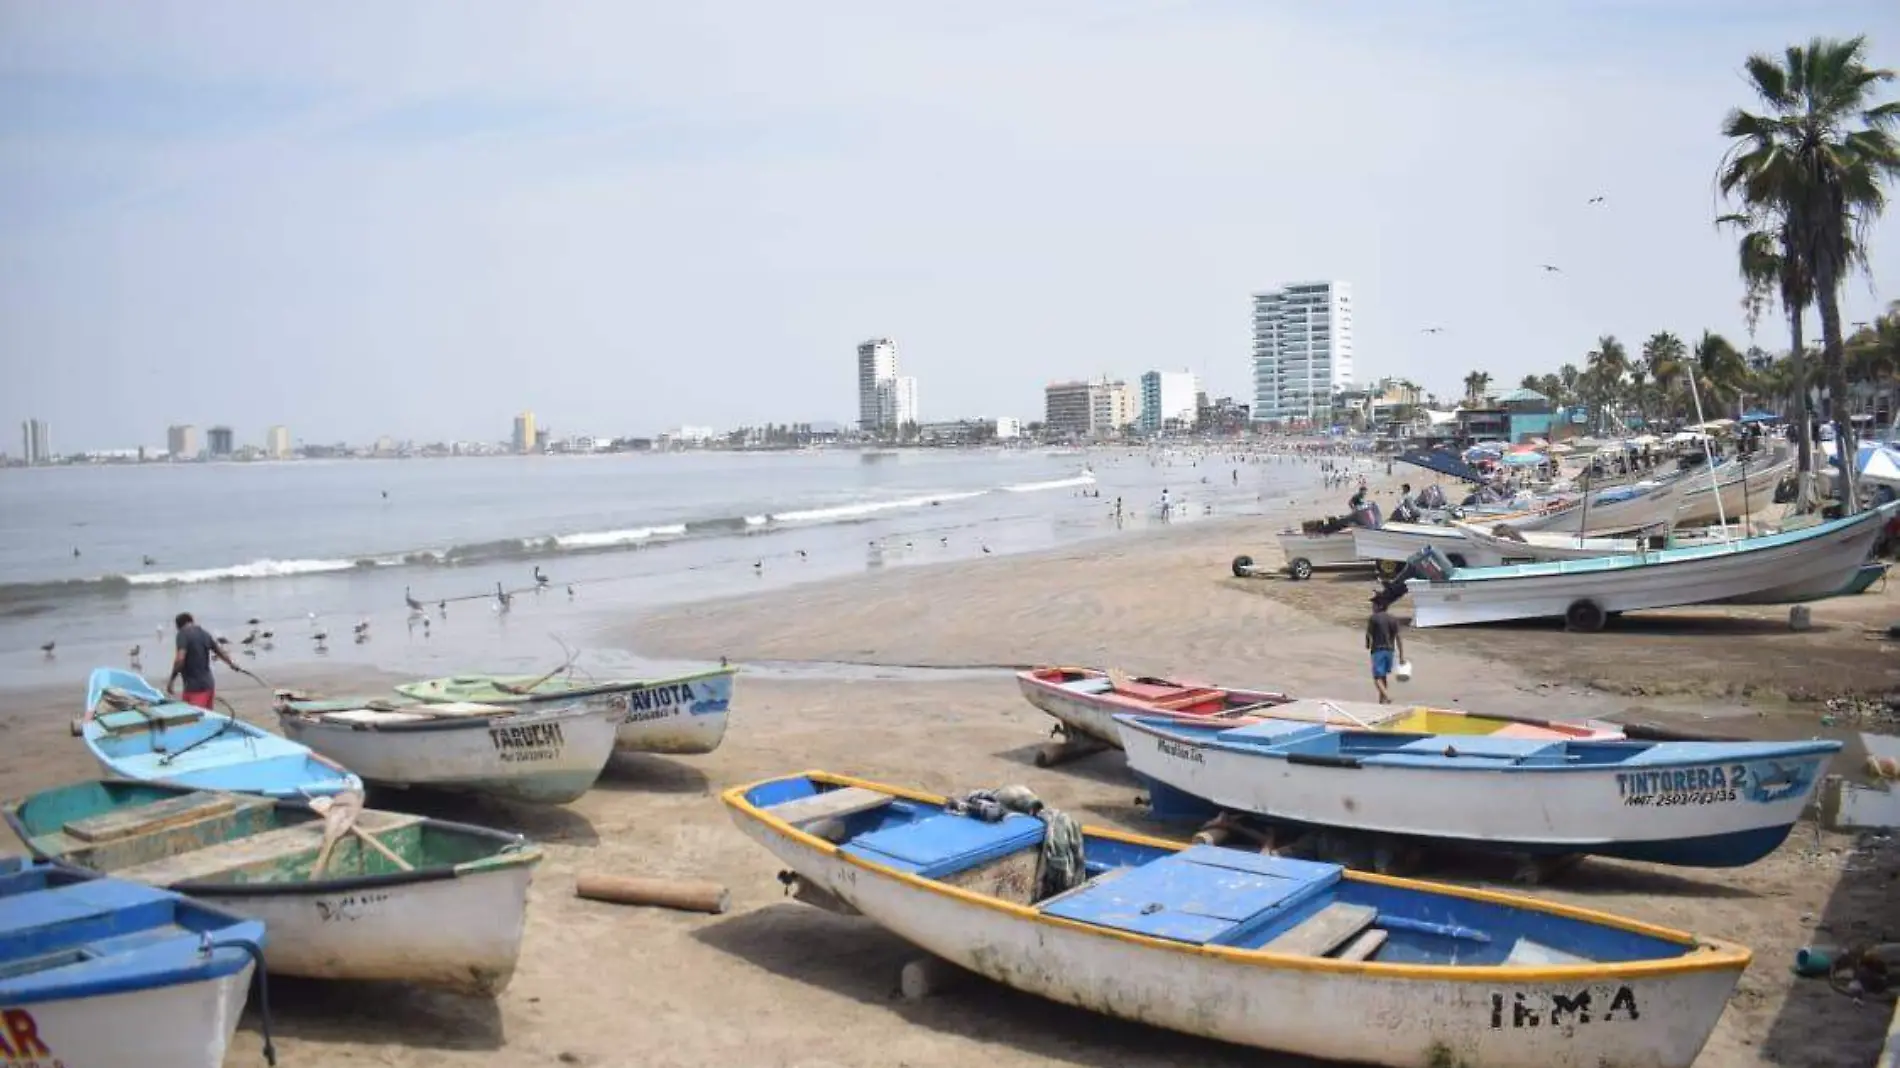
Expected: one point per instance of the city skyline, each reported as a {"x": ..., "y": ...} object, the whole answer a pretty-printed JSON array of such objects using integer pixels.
[{"x": 501, "y": 201}]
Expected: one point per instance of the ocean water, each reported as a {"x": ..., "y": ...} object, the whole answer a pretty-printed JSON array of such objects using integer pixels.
[{"x": 322, "y": 547}]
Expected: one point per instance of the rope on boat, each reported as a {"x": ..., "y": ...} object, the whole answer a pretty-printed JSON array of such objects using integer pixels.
[{"x": 260, "y": 980}]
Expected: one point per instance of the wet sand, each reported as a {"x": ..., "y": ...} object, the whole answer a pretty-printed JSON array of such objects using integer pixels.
[{"x": 777, "y": 983}]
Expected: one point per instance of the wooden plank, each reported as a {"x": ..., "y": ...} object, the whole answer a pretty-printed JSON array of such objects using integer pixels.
[
  {"x": 1323, "y": 931},
  {"x": 255, "y": 849},
  {"x": 1363, "y": 946},
  {"x": 126, "y": 822},
  {"x": 832, "y": 804}
]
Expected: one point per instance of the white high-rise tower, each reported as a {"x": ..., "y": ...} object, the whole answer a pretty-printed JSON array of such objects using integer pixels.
[{"x": 1302, "y": 350}]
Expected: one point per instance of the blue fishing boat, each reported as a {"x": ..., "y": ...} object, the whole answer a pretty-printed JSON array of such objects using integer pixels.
[
  {"x": 1269, "y": 952},
  {"x": 137, "y": 732},
  {"x": 1700, "y": 804},
  {"x": 97, "y": 971}
]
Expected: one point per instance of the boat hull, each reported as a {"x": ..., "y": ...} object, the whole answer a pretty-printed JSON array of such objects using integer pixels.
[
  {"x": 1398, "y": 542},
  {"x": 1738, "y": 495},
  {"x": 461, "y": 933},
  {"x": 542, "y": 756},
  {"x": 1814, "y": 565},
  {"x": 1716, "y": 812},
  {"x": 1320, "y": 550},
  {"x": 1092, "y": 717},
  {"x": 187, "y": 1025},
  {"x": 683, "y": 715},
  {"x": 1396, "y": 1020},
  {"x": 1655, "y": 507}
]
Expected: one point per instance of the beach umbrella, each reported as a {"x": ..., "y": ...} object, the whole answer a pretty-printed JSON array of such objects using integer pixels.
[
  {"x": 1876, "y": 461},
  {"x": 1521, "y": 459}
]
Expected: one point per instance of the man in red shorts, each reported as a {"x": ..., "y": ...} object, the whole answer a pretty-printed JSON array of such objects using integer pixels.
[{"x": 192, "y": 662}]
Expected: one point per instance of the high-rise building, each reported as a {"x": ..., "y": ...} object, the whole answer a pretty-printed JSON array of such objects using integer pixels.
[
  {"x": 277, "y": 443},
  {"x": 218, "y": 441},
  {"x": 1168, "y": 396},
  {"x": 182, "y": 441},
  {"x": 896, "y": 402},
  {"x": 877, "y": 364},
  {"x": 1302, "y": 350},
  {"x": 1086, "y": 409},
  {"x": 524, "y": 439},
  {"x": 36, "y": 446}
]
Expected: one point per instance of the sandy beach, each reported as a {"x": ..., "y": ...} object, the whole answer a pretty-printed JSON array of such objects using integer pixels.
[{"x": 777, "y": 983}]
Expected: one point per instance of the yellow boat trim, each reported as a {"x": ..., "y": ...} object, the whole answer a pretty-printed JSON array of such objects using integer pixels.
[{"x": 1709, "y": 955}]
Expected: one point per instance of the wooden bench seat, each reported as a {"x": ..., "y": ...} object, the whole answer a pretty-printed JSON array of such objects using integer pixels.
[
  {"x": 1323, "y": 931},
  {"x": 126, "y": 822},
  {"x": 243, "y": 852},
  {"x": 802, "y": 812}
]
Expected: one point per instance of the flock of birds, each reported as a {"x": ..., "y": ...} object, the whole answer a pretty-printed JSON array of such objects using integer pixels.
[{"x": 1547, "y": 268}]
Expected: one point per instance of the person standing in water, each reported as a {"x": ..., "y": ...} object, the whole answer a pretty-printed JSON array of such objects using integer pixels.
[
  {"x": 1387, "y": 648},
  {"x": 192, "y": 662}
]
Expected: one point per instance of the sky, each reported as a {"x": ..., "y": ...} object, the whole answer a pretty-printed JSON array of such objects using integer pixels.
[{"x": 417, "y": 219}]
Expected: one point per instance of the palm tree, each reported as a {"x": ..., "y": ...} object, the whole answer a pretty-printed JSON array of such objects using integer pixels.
[
  {"x": 1812, "y": 170},
  {"x": 1475, "y": 385},
  {"x": 1607, "y": 363},
  {"x": 1662, "y": 358},
  {"x": 1721, "y": 372}
]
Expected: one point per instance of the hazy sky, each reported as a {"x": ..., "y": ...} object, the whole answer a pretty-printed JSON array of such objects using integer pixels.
[{"x": 418, "y": 218}]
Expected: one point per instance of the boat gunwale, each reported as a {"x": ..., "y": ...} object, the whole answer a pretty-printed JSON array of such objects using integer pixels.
[
  {"x": 516, "y": 850},
  {"x": 409, "y": 689},
  {"x": 1799, "y": 748},
  {"x": 440, "y": 723},
  {"x": 1703, "y": 955}
]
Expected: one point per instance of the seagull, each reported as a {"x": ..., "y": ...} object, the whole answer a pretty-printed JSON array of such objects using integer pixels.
[
  {"x": 758, "y": 567},
  {"x": 249, "y": 639},
  {"x": 414, "y": 605},
  {"x": 1597, "y": 200},
  {"x": 540, "y": 580},
  {"x": 160, "y": 631},
  {"x": 321, "y": 636},
  {"x": 134, "y": 654},
  {"x": 252, "y": 622},
  {"x": 943, "y": 541},
  {"x": 385, "y": 495},
  {"x": 801, "y": 554},
  {"x": 222, "y": 640},
  {"x": 502, "y": 598},
  {"x": 570, "y": 591},
  {"x": 266, "y": 635},
  {"x": 361, "y": 629},
  {"x": 986, "y": 549},
  {"x": 75, "y": 550},
  {"x": 1432, "y": 330},
  {"x": 1549, "y": 268},
  {"x": 47, "y": 649},
  {"x": 149, "y": 561}
]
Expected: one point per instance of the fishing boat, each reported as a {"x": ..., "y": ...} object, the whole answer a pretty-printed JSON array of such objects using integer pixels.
[
  {"x": 1637, "y": 506},
  {"x": 540, "y": 753},
  {"x": 96, "y": 972},
  {"x": 377, "y": 895},
  {"x": 1741, "y": 487},
  {"x": 1495, "y": 548},
  {"x": 1085, "y": 701},
  {"x": 1262, "y": 951},
  {"x": 1701, "y": 804},
  {"x": 1790, "y": 566},
  {"x": 136, "y": 732},
  {"x": 681, "y": 714}
]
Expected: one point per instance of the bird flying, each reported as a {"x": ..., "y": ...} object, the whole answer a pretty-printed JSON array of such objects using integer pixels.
[
  {"x": 1553, "y": 270},
  {"x": 1432, "y": 330},
  {"x": 1598, "y": 200}
]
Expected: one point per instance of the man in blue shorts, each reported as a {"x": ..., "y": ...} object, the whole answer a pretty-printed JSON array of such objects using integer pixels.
[{"x": 1382, "y": 637}]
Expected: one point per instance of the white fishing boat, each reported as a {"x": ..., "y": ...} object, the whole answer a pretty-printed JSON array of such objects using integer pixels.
[
  {"x": 1638, "y": 506},
  {"x": 1488, "y": 548},
  {"x": 350, "y": 893},
  {"x": 1698, "y": 804},
  {"x": 1261, "y": 951},
  {"x": 98, "y": 972},
  {"x": 678, "y": 715},
  {"x": 536, "y": 753},
  {"x": 1743, "y": 488},
  {"x": 1792, "y": 566},
  {"x": 1396, "y": 543}
]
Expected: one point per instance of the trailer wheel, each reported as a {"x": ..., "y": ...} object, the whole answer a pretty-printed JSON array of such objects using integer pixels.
[
  {"x": 1300, "y": 568},
  {"x": 1389, "y": 569},
  {"x": 1243, "y": 566},
  {"x": 1584, "y": 615}
]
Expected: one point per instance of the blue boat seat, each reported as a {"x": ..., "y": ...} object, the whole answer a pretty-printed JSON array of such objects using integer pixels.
[
  {"x": 945, "y": 843},
  {"x": 1273, "y": 732},
  {"x": 1200, "y": 895},
  {"x": 174, "y": 714}
]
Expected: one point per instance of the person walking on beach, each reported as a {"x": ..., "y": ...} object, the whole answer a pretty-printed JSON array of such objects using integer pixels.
[
  {"x": 1166, "y": 508},
  {"x": 1382, "y": 638},
  {"x": 192, "y": 662}
]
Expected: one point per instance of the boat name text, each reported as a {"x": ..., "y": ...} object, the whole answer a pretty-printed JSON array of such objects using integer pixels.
[
  {"x": 349, "y": 906},
  {"x": 1759, "y": 782},
  {"x": 1184, "y": 752},
  {"x": 20, "y": 1041},
  {"x": 521, "y": 745},
  {"x": 1537, "y": 1009}
]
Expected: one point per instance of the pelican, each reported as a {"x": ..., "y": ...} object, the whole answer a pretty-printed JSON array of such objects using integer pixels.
[
  {"x": 134, "y": 654},
  {"x": 414, "y": 605},
  {"x": 540, "y": 580},
  {"x": 503, "y": 599}
]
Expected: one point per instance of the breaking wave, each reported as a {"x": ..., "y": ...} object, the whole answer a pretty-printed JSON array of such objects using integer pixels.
[{"x": 617, "y": 539}]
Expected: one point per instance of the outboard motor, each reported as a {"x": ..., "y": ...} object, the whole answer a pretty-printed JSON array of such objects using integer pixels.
[{"x": 1367, "y": 515}]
